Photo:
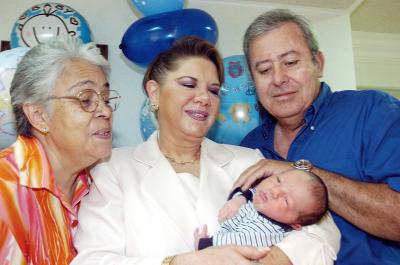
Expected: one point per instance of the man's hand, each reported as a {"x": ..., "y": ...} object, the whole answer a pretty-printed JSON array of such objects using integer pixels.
[{"x": 263, "y": 168}]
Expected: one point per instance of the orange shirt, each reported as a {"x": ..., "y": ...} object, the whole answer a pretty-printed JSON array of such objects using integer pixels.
[{"x": 36, "y": 222}]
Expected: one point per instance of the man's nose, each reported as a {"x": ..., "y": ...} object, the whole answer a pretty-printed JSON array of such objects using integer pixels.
[{"x": 279, "y": 75}]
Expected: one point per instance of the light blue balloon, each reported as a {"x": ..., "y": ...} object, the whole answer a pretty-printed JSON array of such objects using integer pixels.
[
  {"x": 46, "y": 20},
  {"x": 239, "y": 112},
  {"x": 148, "y": 121},
  {"x": 151, "y": 7}
]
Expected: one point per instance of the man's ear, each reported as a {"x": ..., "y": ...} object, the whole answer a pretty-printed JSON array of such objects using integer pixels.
[
  {"x": 153, "y": 91},
  {"x": 37, "y": 116},
  {"x": 320, "y": 62},
  {"x": 296, "y": 226}
]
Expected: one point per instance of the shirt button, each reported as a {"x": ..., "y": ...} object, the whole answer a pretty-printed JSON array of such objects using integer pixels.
[{"x": 312, "y": 127}]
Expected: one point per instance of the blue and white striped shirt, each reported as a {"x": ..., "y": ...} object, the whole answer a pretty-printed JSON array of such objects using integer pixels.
[{"x": 249, "y": 227}]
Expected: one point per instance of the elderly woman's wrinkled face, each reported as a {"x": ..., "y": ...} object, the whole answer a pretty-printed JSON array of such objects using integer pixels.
[
  {"x": 72, "y": 130},
  {"x": 188, "y": 98}
]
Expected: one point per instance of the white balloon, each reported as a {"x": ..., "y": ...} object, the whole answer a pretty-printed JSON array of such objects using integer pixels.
[{"x": 8, "y": 64}]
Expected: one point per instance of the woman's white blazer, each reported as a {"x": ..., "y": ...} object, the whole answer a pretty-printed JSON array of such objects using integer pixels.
[{"x": 137, "y": 211}]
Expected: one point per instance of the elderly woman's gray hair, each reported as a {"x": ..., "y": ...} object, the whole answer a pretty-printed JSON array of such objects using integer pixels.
[
  {"x": 273, "y": 19},
  {"x": 37, "y": 73}
]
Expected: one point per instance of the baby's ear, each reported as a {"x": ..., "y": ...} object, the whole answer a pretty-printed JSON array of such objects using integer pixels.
[{"x": 296, "y": 226}]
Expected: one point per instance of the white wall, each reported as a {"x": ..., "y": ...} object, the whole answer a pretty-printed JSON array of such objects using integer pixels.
[
  {"x": 332, "y": 28},
  {"x": 109, "y": 20}
]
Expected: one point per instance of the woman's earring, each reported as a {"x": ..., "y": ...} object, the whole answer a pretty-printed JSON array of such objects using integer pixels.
[
  {"x": 153, "y": 107},
  {"x": 45, "y": 131}
]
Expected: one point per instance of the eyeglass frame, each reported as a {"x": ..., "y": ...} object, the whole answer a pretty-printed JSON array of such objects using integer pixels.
[{"x": 99, "y": 95}]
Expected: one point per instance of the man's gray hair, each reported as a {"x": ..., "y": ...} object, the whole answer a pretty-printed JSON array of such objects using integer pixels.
[
  {"x": 273, "y": 19},
  {"x": 37, "y": 73}
]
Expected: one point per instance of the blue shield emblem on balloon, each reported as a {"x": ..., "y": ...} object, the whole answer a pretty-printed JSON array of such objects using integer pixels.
[
  {"x": 235, "y": 69},
  {"x": 239, "y": 112}
]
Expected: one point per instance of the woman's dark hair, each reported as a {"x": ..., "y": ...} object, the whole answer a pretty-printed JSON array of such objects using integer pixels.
[{"x": 183, "y": 48}]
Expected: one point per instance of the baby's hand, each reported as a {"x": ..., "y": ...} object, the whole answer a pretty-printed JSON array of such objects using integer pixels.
[
  {"x": 231, "y": 208},
  {"x": 199, "y": 234}
]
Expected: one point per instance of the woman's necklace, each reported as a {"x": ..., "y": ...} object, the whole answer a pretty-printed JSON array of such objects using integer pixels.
[
  {"x": 177, "y": 161},
  {"x": 180, "y": 162}
]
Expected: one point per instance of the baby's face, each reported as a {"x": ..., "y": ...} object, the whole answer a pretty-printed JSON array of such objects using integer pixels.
[{"x": 284, "y": 196}]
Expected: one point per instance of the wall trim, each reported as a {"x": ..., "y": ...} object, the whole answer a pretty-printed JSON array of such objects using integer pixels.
[{"x": 372, "y": 47}]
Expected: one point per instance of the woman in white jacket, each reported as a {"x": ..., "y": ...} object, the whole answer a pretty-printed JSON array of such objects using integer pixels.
[{"x": 147, "y": 201}]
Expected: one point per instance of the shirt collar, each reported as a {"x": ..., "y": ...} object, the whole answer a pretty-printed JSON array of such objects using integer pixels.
[
  {"x": 268, "y": 126},
  {"x": 35, "y": 170},
  {"x": 82, "y": 188},
  {"x": 33, "y": 166},
  {"x": 324, "y": 93}
]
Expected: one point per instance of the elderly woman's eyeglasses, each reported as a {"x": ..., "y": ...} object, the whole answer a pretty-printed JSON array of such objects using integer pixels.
[{"x": 89, "y": 99}]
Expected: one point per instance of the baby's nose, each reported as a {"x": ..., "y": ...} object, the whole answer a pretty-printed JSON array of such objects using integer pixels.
[{"x": 276, "y": 192}]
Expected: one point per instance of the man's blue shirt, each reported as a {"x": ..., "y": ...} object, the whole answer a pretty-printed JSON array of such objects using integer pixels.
[{"x": 355, "y": 134}]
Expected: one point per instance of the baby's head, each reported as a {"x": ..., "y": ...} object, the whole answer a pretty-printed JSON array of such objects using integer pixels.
[{"x": 293, "y": 197}]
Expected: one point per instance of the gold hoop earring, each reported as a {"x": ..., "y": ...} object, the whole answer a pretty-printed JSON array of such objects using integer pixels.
[{"x": 154, "y": 107}]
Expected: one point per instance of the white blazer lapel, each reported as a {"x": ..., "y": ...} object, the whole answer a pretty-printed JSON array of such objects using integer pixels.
[
  {"x": 215, "y": 183},
  {"x": 162, "y": 184}
]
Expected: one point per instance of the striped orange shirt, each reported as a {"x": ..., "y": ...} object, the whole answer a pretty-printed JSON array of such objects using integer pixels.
[{"x": 37, "y": 223}]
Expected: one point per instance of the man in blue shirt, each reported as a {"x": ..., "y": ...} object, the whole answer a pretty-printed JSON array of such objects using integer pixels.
[{"x": 351, "y": 139}]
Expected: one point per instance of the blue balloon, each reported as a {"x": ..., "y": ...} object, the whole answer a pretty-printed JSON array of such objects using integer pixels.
[
  {"x": 47, "y": 20},
  {"x": 149, "y": 36},
  {"x": 152, "y": 7},
  {"x": 239, "y": 112}
]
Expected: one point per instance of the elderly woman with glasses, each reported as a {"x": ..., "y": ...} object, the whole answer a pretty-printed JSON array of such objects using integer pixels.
[{"x": 63, "y": 108}]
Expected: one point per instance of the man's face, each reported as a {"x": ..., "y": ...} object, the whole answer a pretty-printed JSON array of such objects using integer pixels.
[{"x": 286, "y": 78}]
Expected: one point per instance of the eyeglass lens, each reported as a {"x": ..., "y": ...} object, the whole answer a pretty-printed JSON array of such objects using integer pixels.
[{"x": 89, "y": 99}]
